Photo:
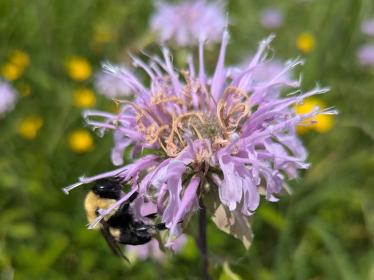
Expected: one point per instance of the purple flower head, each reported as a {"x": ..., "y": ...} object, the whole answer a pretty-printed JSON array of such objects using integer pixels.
[
  {"x": 185, "y": 23},
  {"x": 367, "y": 27},
  {"x": 111, "y": 86},
  {"x": 366, "y": 55},
  {"x": 225, "y": 135},
  {"x": 271, "y": 18},
  {"x": 8, "y": 98}
]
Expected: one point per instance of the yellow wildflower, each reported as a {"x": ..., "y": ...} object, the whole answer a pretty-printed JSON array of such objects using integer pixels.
[
  {"x": 11, "y": 71},
  {"x": 305, "y": 42},
  {"x": 321, "y": 123},
  {"x": 19, "y": 58},
  {"x": 80, "y": 141},
  {"x": 324, "y": 123},
  {"x": 84, "y": 98},
  {"x": 29, "y": 127},
  {"x": 16, "y": 65},
  {"x": 78, "y": 68}
]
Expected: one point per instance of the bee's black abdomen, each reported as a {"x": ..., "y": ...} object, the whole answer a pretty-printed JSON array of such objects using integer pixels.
[
  {"x": 122, "y": 218},
  {"x": 130, "y": 237}
]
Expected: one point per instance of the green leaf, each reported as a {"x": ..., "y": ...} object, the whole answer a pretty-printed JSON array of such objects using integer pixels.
[
  {"x": 230, "y": 222},
  {"x": 272, "y": 217},
  {"x": 21, "y": 230},
  {"x": 228, "y": 274},
  {"x": 189, "y": 250},
  {"x": 234, "y": 223}
]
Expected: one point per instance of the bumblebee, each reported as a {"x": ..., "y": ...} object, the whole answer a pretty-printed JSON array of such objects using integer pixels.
[{"x": 120, "y": 227}]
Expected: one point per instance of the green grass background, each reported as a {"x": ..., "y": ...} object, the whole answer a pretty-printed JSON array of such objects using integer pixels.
[{"x": 324, "y": 231}]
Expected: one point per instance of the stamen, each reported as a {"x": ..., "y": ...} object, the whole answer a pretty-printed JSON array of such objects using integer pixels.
[
  {"x": 231, "y": 90},
  {"x": 162, "y": 98},
  {"x": 197, "y": 132}
]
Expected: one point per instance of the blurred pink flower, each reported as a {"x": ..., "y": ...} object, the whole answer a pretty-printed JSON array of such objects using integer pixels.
[
  {"x": 367, "y": 27},
  {"x": 265, "y": 71},
  {"x": 111, "y": 86},
  {"x": 271, "y": 18},
  {"x": 152, "y": 250},
  {"x": 8, "y": 98},
  {"x": 185, "y": 23},
  {"x": 366, "y": 54},
  {"x": 149, "y": 250}
]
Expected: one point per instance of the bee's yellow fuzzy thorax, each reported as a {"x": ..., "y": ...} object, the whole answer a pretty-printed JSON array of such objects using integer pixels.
[{"x": 92, "y": 203}]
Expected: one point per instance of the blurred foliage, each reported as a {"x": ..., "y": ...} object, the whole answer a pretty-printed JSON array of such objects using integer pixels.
[{"x": 324, "y": 230}]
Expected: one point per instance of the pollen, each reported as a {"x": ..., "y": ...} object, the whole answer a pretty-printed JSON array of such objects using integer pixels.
[
  {"x": 78, "y": 68},
  {"x": 305, "y": 42},
  {"x": 84, "y": 98},
  {"x": 29, "y": 127},
  {"x": 209, "y": 128},
  {"x": 80, "y": 141}
]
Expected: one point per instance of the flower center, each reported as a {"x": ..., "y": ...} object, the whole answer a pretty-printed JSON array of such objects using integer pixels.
[{"x": 174, "y": 121}]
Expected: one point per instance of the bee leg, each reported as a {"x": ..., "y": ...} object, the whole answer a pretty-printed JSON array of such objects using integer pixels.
[
  {"x": 152, "y": 216},
  {"x": 123, "y": 210},
  {"x": 133, "y": 197},
  {"x": 160, "y": 226}
]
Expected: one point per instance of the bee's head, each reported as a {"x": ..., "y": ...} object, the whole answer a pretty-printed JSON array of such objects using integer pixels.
[{"x": 107, "y": 188}]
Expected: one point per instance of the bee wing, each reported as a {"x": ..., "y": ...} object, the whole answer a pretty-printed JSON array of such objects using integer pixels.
[{"x": 112, "y": 243}]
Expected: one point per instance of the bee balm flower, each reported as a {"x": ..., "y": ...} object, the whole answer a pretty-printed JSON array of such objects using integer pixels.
[
  {"x": 186, "y": 22},
  {"x": 226, "y": 135},
  {"x": 271, "y": 18},
  {"x": 366, "y": 55},
  {"x": 367, "y": 27},
  {"x": 8, "y": 98}
]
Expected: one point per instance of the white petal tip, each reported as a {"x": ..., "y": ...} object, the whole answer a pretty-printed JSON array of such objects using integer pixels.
[
  {"x": 268, "y": 40},
  {"x": 67, "y": 189},
  {"x": 225, "y": 35},
  {"x": 94, "y": 223}
]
